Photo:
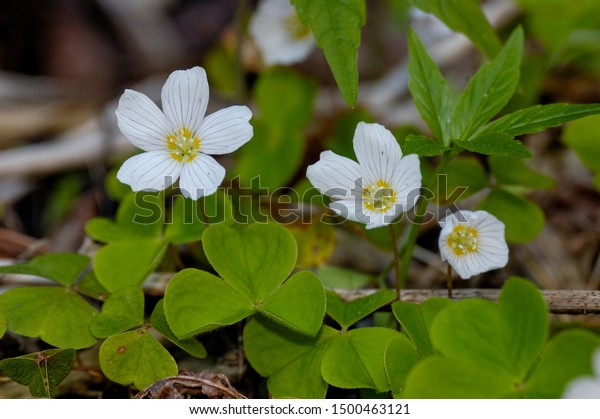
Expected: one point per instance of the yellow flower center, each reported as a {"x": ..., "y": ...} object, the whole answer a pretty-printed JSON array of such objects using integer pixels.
[
  {"x": 379, "y": 197},
  {"x": 296, "y": 28},
  {"x": 463, "y": 240},
  {"x": 183, "y": 146}
]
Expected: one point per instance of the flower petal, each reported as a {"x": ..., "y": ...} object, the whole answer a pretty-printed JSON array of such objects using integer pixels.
[
  {"x": 142, "y": 122},
  {"x": 185, "y": 97},
  {"x": 151, "y": 171},
  {"x": 226, "y": 130},
  {"x": 201, "y": 177},
  {"x": 350, "y": 209},
  {"x": 582, "y": 388},
  {"x": 406, "y": 182},
  {"x": 335, "y": 176},
  {"x": 377, "y": 151}
]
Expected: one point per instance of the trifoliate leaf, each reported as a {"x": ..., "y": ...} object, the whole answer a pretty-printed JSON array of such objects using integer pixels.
[
  {"x": 63, "y": 268},
  {"x": 123, "y": 310}
]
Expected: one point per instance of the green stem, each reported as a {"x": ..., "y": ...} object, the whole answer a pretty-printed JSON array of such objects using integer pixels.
[
  {"x": 449, "y": 281},
  {"x": 398, "y": 281}
]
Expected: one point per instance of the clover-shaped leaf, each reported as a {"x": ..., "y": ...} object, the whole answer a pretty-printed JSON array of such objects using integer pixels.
[
  {"x": 254, "y": 264},
  {"x": 63, "y": 268},
  {"x": 346, "y": 314},
  {"x": 400, "y": 357},
  {"x": 123, "y": 310},
  {"x": 41, "y": 371},
  {"x": 3, "y": 325}
]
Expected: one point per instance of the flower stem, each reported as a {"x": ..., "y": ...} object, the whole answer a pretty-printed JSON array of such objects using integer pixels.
[
  {"x": 449, "y": 280},
  {"x": 398, "y": 281}
]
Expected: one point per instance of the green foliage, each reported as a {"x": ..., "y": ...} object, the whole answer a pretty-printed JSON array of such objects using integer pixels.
[
  {"x": 464, "y": 16},
  {"x": 63, "y": 268},
  {"x": 41, "y": 371},
  {"x": 277, "y": 147},
  {"x": 410, "y": 317},
  {"x": 583, "y": 137},
  {"x": 423, "y": 146},
  {"x": 459, "y": 179},
  {"x": 499, "y": 144},
  {"x": 159, "y": 323},
  {"x": 336, "y": 26},
  {"x": 57, "y": 315},
  {"x": 400, "y": 357},
  {"x": 136, "y": 358},
  {"x": 3, "y": 325},
  {"x": 340, "y": 140},
  {"x": 346, "y": 314},
  {"x": 523, "y": 219},
  {"x": 127, "y": 262},
  {"x": 336, "y": 277},
  {"x": 514, "y": 171},
  {"x": 123, "y": 310}
]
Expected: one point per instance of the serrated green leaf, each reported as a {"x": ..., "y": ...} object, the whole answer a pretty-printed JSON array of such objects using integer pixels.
[
  {"x": 442, "y": 378},
  {"x": 254, "y": 260},
  {"x": 460, "y": 178},
  {"x": 429, "y": 90},
  {"x": 41, "y": 371},
  {"x": 499, "y": 144},
  {"x": 196, "y": 302},
  {"x": 524, "y": 314},
  {"x": 292, "y": 362},
  {"x": 514, "y": 171},
  {"x": 159, "y": 323},
  {"x": 140, "y": 215},
  {"x": 537, "y": 118},
  {"x": 464, "y": 16},
  {"x": 567, "y": 356},
  {"x": 63, "y": 268},
  {"x": 57, "y": 315},
  {"x": 411, "y": 319},
  {"x": 336, "y": 26},
  {"x": 128, "y": 262},
  {"x": 299, "y": 303},
  {"x": 489, "y": 89},
  {"x": 400, "y": 357},
  {"x": 356, "y": 359},
  {"x": 347, "y": 314},
  {"x": 523, "y": 219},
  {"x": 423, "y": 146},
  {"x": 3, "y": 325},
  {"x": 136, "y": 358},
  {"x": 123, "y": 310}
]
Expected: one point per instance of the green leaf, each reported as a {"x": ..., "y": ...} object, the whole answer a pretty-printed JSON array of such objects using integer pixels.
[
  {"x": 299, "y": 303},
  {"x": 3, "y": 325},
  {"x": 346, "y": 314},
  {"x": 499, "y": 144},
  {"x": 159, "y": 323},
  {"x": 336, "y": 26},
  {"x": 356, "y": 359},
  {"x": 89, "y": 285},
  {"x": 140, "y": 215},
  {"x": 336, "y": 277},
  {"x": 196, "y": 302},
  {"x": 464, "y": 16},
  {"x": 254, "y": 260},
  {"x": 523, "y": 219},
  {"x": 461, "y": 178},
  {"x": 400, "y": 357},
  {"x": 41, "y": 371},
  {"x": 583, "y": 137},
  {"x": 136, "y": 358},
  {"x": 429, "y": 90},
  {"x": 514, "y": 171},
  {"x": 537, "y": 118},
  {"x": 432, "y": 307},
  {"x": 189, "y": 217},
  {"x": 490, "y": 89},
  {"x": 292, "y": 362},
  {"x": 524, "y": 313},
  {"x": 63, "y": 268},
  {"x": 123, "y": 310},
  {"x": 413, "y": 323},
  {"x": 442, "y": 378},
  {"x": 57, "y": 315},
  {"x": 423, "y": 146},
  {"x": 473, "y": 330},
  {"x": 567, "y": 356},
  {"x": 128, "y": 262}
]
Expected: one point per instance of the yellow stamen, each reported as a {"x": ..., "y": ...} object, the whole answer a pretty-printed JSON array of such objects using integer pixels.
[
  {"x": 463, "y": 240},
  {"x": 183, "y": 146},
  {"x": 379, "y": 197}
]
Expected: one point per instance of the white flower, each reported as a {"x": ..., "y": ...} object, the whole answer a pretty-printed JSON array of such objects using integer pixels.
[
  {"x": 375, "y": 190},
  {"x": 473, "y": 242},
  {"x": 586, "y": 387},
  {"x": 178, "y": 141},
  {"x": 278, "y": 33}
]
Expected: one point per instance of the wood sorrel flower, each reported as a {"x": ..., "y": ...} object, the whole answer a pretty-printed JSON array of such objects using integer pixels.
[
  {"x": 473, "y": 242},
  {"x": 279, "y": 35},
  {"x": 375, "y": 190},
  {"x": 178, "y": 140}
]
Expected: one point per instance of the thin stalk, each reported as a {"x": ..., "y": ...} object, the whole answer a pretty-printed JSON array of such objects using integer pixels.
[
  {"x": 449, "y": 281},
  {"x": 398, "y": 280}
]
